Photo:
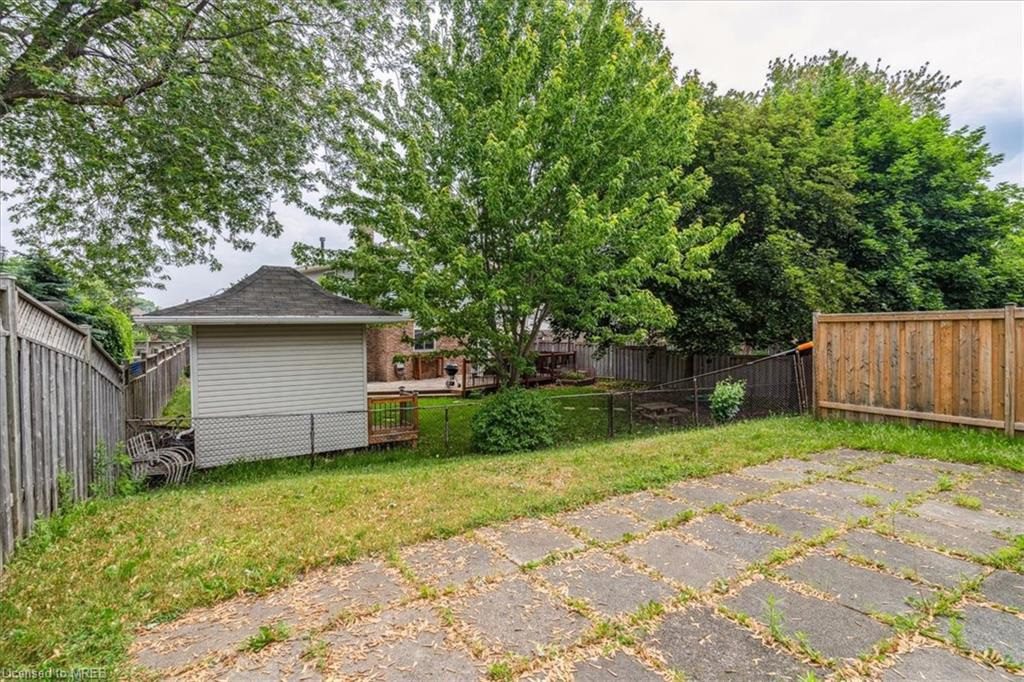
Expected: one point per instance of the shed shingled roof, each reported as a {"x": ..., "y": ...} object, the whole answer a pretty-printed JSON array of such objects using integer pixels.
[{"x": 272, "y": 291}]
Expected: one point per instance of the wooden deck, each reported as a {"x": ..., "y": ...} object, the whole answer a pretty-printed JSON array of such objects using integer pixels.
[{"x": 422, "y": 387}]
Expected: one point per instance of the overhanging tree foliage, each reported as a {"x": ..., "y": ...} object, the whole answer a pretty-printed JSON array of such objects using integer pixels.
[
  {"x": 856, "y": 193},
  {"x": 525, "y": 166},
  {"x": 136, "y": 133},
  {"x": 86, "y": 302}
]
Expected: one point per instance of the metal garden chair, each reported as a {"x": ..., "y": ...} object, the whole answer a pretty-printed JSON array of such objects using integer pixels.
[{"x": 175, "y": 464}]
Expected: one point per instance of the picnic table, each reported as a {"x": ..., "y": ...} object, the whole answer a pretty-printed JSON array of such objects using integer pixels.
[{"x": 659, "y": 411}]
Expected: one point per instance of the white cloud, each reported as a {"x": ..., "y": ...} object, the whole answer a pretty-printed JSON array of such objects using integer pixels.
[{"x": 1010, "y": 170}]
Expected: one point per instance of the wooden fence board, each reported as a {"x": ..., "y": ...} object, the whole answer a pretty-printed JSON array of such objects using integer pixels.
[
  {"x": 949, "y": 367},
  {"x": 35, "y": 397},
  {"x": 942, "y": 367},
  {"x": 29, "y": 485},
  {"x": 1015, "y": 398},
  {"x": 7, "y": 513}
]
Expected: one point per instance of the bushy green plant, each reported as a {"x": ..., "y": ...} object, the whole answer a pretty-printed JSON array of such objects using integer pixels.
[
  {"x": 83, "y": 302},
  {"x": 111, "y": 327},
  {"x": 114, "y": 472},
  {"x": 514, "y": 420},
  {"x": 727, "y": 398},
  {"x": 65, "y": 491}
]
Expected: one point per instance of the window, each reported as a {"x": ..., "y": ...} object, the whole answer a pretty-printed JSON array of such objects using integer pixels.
[{"x": 422, "y": 340}]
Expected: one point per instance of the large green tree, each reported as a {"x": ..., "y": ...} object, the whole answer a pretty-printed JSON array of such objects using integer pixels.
[
  {"x": 137, "y": 133},
  {"x": 856, "y": 193},
  {"x": 525, "y": 164}
]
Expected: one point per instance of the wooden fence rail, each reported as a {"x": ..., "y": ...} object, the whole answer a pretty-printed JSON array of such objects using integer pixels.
[
  {"x": 962, "y": 367},
  {"x": 61, "y": 402},
  {"x": 150, "y": 380}
]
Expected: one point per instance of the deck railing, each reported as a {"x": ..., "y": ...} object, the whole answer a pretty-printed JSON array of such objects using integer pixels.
[
  {"x": 476, "y": 378},
  {"x": 393, "y": 418}
]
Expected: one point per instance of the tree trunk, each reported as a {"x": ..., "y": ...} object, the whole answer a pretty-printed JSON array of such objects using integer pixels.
[{"x": 513, "y": 375}]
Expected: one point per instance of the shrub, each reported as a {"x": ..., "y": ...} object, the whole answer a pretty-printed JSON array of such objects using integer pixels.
[
  {"x": 113, "y": 472},
  {"x": 111, "y": 328},
  {"x": 514, "y": 420},
  {"x": 727, "y": 398}
]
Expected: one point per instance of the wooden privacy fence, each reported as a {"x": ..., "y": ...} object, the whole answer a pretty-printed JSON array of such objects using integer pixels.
[
  {"x": 643, "y": 364},
  {"x": 961, "y": 367},
  {"x": 61, "y": 401},
  {"x": 660, "y": 365},
  {"x": 150, "y": 380}
]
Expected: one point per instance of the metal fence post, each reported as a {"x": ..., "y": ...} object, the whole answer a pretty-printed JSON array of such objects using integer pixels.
[
  {"x": 631, "y": 412},
  {"x": 446, "y": 429},
  {"x": 696, "y": 404},
  {"x": 312, "y": 440},
  {"x": 611, "y": 415}
]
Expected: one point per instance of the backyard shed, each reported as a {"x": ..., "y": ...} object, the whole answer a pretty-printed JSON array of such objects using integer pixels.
[{"x": 278, "y": 368}]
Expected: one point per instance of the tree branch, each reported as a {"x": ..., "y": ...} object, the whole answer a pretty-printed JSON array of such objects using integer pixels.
[
  {"x": 118, "y": 100},
  {"x": 18, "y": 86},
  {"x": 79, "y": 39}
]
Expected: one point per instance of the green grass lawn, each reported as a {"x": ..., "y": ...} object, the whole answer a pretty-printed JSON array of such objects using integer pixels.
[
  {"x": 180, "y": 404},
  {"x": 583, "y": 409},
  {"x": 79, "y": 587}
]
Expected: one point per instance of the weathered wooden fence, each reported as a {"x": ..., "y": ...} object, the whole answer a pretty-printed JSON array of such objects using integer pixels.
[
  {"x": 657, "y": 364},
  {"x": 150, "y": 380},
  {"x": 61, "y": 402},
  {"x": 643, "y": 364},
  {"x": 961, "y": 367}
]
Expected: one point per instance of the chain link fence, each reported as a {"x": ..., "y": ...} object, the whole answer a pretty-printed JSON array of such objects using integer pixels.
[
  {"x": 443, "y": 426},
  {"x": 224, "y": 440}
]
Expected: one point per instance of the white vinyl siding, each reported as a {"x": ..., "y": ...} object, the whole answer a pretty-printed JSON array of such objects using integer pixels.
[{"x": 256, "y": 387}]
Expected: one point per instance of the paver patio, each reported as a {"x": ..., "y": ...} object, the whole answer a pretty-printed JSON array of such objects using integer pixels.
[{"x": 828, "y": 566}]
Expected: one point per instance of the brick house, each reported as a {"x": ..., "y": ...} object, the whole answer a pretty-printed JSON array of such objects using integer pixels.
[{"x": 384, "y": 342}]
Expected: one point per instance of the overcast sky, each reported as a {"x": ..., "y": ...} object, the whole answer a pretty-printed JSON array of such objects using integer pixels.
[{"x": 731, "y": 43}]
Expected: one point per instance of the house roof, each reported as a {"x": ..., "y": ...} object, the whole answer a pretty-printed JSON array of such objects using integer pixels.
[{"x": 271, "y": 295}]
